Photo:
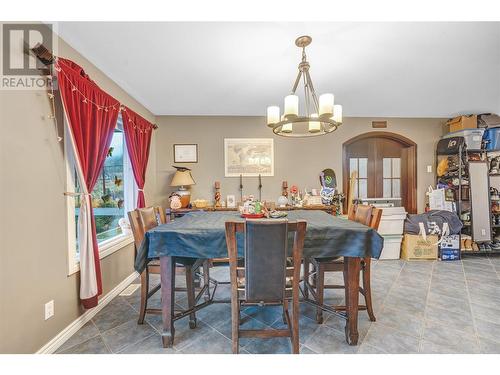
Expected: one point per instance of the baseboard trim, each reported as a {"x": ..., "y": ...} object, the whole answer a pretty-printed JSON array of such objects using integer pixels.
[{"x": 74, "y": 326}]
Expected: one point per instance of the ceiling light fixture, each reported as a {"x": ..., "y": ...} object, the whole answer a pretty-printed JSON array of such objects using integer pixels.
[{"x": 322, "y": 116}]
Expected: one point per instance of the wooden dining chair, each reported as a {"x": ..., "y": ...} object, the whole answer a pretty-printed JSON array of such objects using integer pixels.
[
  {"x": 142, "y": 220},
  {"x": 262, "y": 277},
  {"x": 363, "y": 214}
]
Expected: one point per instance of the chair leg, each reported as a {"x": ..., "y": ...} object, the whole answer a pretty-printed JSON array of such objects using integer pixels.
[
  {"x": 320, "y": 285},
  {"x": 306, "y": 278},
  {"x": 206, "y": 277},
  {"x": 235, "y": 324},
  {"x": 285, "y": 308},
  {"x": 144, "y": 295},
  {"x": 190, "y": 295},
  {"x": 367, "y": 288}
]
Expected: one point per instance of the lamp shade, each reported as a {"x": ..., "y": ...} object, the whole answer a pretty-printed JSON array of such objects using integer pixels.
[{"x": 182, "y": 178}]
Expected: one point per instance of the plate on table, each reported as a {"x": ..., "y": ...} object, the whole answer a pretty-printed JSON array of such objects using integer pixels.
[{"x": 253, "y": 216}]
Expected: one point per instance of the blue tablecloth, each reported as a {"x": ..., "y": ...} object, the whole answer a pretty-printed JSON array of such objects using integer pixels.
[{"x": 202, "y": 235}]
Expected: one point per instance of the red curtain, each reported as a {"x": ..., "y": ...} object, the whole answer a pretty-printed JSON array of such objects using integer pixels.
[
  {"x": 138, "y": 138},
  {"x": 92, "y": 115}
]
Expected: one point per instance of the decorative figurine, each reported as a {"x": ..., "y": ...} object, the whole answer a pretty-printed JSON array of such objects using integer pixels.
[
  {"x": 175, "y": 201},
  {"x": 328, "y": 185},
  {"x": 282, "y": 201},
  {"x": 260, "y": 188},
  {"x": 217, "y": 194},
  {"x": 241, "y": 188},
  {"x": 284, "y": 189},
  {"x": 294, "y": 191}
]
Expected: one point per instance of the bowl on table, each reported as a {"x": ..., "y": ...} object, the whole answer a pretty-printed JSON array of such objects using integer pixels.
[{"x": 200, "y": 203}]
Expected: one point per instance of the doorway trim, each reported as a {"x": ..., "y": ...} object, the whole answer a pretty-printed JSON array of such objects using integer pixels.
[{"x": 411, "y": 148}]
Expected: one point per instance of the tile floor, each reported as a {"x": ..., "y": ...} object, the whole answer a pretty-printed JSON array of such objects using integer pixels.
[{"x": 421, "y": 307}]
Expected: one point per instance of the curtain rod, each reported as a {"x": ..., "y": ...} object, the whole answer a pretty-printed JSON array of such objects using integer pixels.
[{"x": 47, "y": 58}]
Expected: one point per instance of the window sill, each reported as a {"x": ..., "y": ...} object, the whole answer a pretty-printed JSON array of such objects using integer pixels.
[{"x": 107, "y": 248}]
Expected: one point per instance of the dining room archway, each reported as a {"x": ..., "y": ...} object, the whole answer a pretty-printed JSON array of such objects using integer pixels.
[{"x": 386, "y": 166}]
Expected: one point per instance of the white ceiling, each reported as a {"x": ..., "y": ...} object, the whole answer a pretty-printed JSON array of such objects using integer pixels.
[{"x": 374, "y": 69}]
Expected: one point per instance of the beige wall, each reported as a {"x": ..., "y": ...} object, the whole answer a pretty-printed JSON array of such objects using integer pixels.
[
  {"x": 298, "y": 161},
  {"x": 33, "y": 240}
]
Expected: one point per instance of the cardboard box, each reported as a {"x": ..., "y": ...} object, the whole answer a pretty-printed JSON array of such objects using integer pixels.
[
  {"x": 450, "y": 242},
  {"x": 462, "y": 122},
  {"x": 448, "y": 254},
  {"x": 416, "y": 248},
  {"x": 449, "y": 248}
]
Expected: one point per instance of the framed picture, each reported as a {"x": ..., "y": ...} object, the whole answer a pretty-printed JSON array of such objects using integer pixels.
[
  {"x": 185, "y": 153},
  {"x": 248, "y": 157},
  {"x": 231, "y": 201}
]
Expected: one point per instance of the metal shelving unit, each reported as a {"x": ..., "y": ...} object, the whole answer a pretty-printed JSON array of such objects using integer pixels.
[
  {"x": 464, "y": 205},
  {"x": 455, "y": 147}
]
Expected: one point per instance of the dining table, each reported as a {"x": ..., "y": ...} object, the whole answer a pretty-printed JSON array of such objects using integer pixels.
[{"x": 201, "y": 235}]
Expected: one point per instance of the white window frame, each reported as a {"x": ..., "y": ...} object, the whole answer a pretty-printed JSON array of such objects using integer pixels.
[{"x": 110, "y": 245}]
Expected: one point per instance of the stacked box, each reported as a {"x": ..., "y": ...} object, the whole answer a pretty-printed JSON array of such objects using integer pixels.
[
  {"x": 449, "y": 248},
  {"x": 416, "y": 248}
]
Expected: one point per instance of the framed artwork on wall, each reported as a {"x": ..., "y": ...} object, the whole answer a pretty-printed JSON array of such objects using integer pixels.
[
  {"x": 185, "y": 153},
  {"x": 248, "y": 157}
]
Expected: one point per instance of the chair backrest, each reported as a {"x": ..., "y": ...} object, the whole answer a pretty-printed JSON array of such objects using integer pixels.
[
  {"x": 266, "y": 247},
  {"x": 143, "y": 219},
  {"x": 375, "y": 218},
  {"x": 136, "y": 226},
  {"x": 265, "y": 270},
  {"x": 363, "y": 214}
]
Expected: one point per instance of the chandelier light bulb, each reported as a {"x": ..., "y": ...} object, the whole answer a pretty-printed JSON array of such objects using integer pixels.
[
  {"x": 314, "y": 126},
  {"x": 287, "y": 128},
  {"x": 337, "y": 113},
  {"x": 273, "y": 115},
  {"x": 291, "y": 106},
  {"x": 326, "y": 102}
]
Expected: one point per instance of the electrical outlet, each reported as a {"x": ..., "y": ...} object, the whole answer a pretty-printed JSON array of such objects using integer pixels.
[
  {"x": 429, "y": 169},
  {"x": 483, "y": 232},
  {"x": 49, "y": 309}
]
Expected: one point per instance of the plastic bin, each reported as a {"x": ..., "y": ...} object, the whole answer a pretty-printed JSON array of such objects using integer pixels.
[
  {"x": 491, "y": 138},
  {"x": 449, "y": 248},
  {"x": 392, "y": 247},
  {"x": 392, "y": 221},
  {"x": 473, "y": 137}
]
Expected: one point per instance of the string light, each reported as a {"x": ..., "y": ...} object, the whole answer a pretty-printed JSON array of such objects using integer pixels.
[
  {"x": 51, "y": 96},
  {"x": 143, "y": 129}
]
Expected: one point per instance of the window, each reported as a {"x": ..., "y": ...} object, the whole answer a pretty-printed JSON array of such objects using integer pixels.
[
  {"x": 113, "y": 196},
  {"x": 359, "y": 165},
  {"x": 392, "y": 177}
]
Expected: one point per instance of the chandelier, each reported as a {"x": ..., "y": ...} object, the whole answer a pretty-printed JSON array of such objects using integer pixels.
[{"x": 321, "y": 117}]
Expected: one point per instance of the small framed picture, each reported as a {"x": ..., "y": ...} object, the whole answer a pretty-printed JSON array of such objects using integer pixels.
[
  {"x": 185, "y": 153},
  {"x": 231, "y": 201}
]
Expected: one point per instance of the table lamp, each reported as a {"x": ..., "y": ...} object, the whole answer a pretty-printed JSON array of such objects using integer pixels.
[{"x": 183, "y": 178}]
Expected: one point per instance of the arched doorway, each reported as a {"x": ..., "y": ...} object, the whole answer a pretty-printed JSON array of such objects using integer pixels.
[{"x": 386, "y": 164}]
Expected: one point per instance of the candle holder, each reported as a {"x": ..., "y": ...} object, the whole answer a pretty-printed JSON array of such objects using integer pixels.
[{"x": 217, "y": 194}]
